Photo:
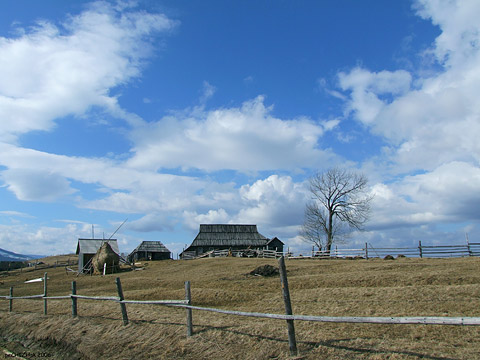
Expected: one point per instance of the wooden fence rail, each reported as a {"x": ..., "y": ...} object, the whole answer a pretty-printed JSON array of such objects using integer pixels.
[
  {"x": 423, "y": 320},
  {"x": 432, "y": 251},
  {"x": 289, "y": 317}
]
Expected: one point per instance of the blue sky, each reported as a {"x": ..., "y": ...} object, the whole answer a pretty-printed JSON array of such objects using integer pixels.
[{"x": 177, "y": 113}]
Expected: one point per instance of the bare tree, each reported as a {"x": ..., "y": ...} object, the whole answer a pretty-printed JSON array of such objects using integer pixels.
[{"x": 340, "y": 204}]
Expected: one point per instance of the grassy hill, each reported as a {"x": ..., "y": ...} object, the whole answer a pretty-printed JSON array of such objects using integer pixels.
[{"x": 403, "y": 287}]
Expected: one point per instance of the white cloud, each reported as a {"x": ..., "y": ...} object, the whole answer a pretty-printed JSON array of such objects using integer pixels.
[
  {"x": 207, "y": 92},
  {"x": 52, "y": 71},
  {"x": 43, "y": 240},
  {"x": 447, "y": 195},
  {"x": 150, "y": 222},
  {"x": 40, "y": 176},
  {"x": 366, "y": 87},
  {"x": 192, "y": 219},
  {"x": 275, "y": 204},
  {"x": 246, "y": 139},
  {"x": 431, "y": 124},
  {"x": 460, "y": 37},
  {"x": 36, "y": 185},
  {"x": 437, "y": 120},
  {"x": 15, "y": 213}
]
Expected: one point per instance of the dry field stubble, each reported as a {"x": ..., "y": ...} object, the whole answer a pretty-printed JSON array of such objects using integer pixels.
[{"x": 403, "y": 287}]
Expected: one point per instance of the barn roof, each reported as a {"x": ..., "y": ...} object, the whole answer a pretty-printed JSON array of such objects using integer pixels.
[
  {"x": 229, "y": 235},
  {"x": 151, "y": 246},
  {"x": 91, "y": 246}
]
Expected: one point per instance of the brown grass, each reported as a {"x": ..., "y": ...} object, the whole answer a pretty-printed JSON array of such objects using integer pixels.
[{"x": 404, "y": 287}]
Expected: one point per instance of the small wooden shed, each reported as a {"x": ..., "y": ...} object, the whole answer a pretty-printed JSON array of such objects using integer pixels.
[
  {"x": 150, "y": 250},
  {"x": 87, "y": 248}
]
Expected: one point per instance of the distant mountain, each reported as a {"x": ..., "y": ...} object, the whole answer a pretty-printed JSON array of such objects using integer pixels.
[{"x": 11, "y": 256}]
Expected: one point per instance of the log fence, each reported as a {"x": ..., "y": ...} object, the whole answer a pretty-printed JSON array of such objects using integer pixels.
[
  {"x": 421, "y": 251},
  {"x": 368, "y": 251},
  {"x": 289, "y": 317}
]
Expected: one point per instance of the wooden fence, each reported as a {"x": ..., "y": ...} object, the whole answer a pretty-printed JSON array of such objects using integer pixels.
[
  {"x": 258, "y": 253},
  {"x": 289, "y": 317},
  {"x": 431, "y": 251},
  {"x": 436, "y": 251}
]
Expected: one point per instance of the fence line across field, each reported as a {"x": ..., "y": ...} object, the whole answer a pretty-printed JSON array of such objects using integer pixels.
[
  {"x": 431, "y": 251},
  {"x": 289, "y": 317}
]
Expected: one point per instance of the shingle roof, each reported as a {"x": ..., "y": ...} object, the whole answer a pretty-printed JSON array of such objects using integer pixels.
[
  {"x": 91, "y": 246},
  {"x": 151, "y": 246},
  {"x": 229, "y": 235}
]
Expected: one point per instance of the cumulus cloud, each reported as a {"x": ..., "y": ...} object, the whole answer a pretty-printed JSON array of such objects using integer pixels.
[
  {"x": 43, "y": 240},
  {"x": 431, "y": 120},
  {"x": 275, "y": 204},
  {"x": 51, "y": 71},
  {"x": 431, "y": 125},
  {"x": 366, "y": 88},
  {"x": 248, "y": 138},
  {"x": 273, "y": 201},
  {"x": 36, "y": 175},
  {"x": 448, "y": 194},
  {"x": 36, "y": 185},
  {"x": 192, "y": 219}
]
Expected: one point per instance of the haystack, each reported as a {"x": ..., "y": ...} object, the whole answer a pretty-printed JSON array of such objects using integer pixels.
[{"x": 105, "y": 255}]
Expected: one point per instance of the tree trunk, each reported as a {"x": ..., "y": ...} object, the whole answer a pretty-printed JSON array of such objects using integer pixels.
[{"x": 329, "y": 233}]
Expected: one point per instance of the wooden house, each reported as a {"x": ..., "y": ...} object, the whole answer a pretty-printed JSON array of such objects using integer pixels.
[
  {"x": 150, "y": 250},
  {"x": 87, "y": 248},
  {"x": 230, "y": 237}
]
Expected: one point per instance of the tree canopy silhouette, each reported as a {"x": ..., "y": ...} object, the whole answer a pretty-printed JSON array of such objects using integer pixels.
[{"x": 340, "y": 204}]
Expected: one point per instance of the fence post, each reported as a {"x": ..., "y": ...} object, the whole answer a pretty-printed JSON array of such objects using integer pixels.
[
  {"x": 420, "y": 248},
  {"x": 45, "y": 294},
  {"x": 366, "y": 251},
  {"x": 468, "y": 245},
  {"x": 188, "y": 297},
  {"x": 10, "y": 302},
  {"x": 74, "y": 299},
  {"x": 288, "y": 307},
  {"x": 123, "y": 307}
]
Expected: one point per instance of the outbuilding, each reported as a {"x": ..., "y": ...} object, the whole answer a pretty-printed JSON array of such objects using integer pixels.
[{"x": 150, "y": 250}]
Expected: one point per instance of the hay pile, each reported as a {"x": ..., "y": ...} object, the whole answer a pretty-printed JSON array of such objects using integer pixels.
[
  {"x": 105, "y": 255},
  {"x": 265, "y": 270}
]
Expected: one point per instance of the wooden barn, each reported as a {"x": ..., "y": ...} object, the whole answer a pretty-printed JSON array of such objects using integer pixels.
[
  {"x": 230, "y": 236},
  {"x": 87, "y": 248},
  {"x": 150, "y": 250}
]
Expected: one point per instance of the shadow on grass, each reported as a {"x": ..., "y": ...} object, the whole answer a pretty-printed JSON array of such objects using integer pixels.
[{"x": 309, "y": 345}]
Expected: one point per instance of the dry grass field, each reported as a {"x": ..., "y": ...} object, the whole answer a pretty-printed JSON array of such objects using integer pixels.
[{"x": 375, "y": 287}]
